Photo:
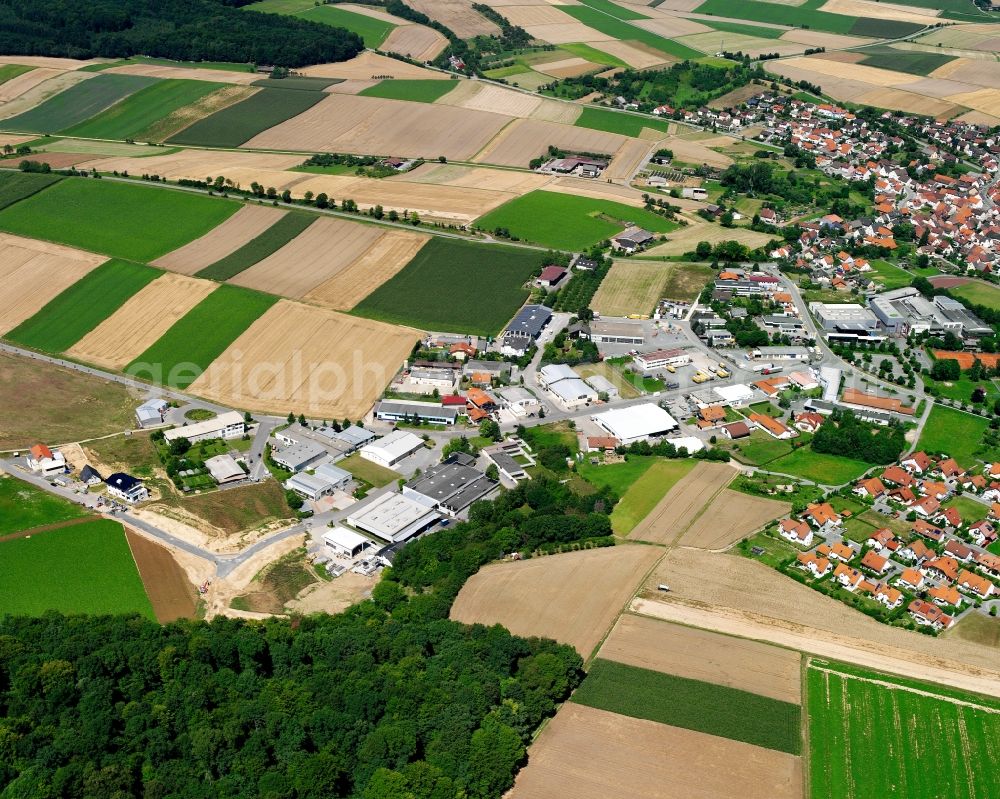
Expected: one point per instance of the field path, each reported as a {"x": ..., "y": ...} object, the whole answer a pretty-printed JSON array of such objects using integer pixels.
[{"x": 44, "y": 528}]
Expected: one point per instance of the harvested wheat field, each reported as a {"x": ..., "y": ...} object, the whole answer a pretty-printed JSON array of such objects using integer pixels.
[
  {"x": 984, "y": 37},
  {"x": 416, "y": 41},
  {"x": 458, "y": 16},
  {"x": 687, "y": 238},
  {"x": 345, "y": 123},
  {"x": 588, "y": 753},
  {"x": 14, "y": 139},
  {"x": 701, "y": 655},
  {"x": 880, "y": 10},
  {"x": 380, "y": 262},
  {"x": 482, "y": 177},
  {"x": 493, "y": 98},
  {"x": 187, "y": 73},
  {"x": 37, "y": 94},
  {"x": 636, "y": 57},
  {"x": 366, "y": 65},
  {"x": 320, "y": 252},
  {"x": 684, "y": 503},
  {"x": 141, "y": 321},
  {"x": 566, "y": 33},
  {"x": 536, "y": 15},
  {"x": 735, "y": 595},
  {"x": 585, "y": 187},
  {"x": 199, "y": 164},
  {"x": 524, "y": 139},
  {"x": 17, "y": 86},
  {"x": 47, "y": 62},
  {"x": 713, "y": 41},
  {"x": 979, "y": 118},
  {"x": 840, "y": 88},
  {"x": 631, "y": 287},
  {"x": 670, "y": 27},
  {"x": 557, "y": 111},
  {"x": 693, "y": 152},
  {"x": 33, "y": 272},
  {"x": 567, "y": 67},
  {"x": 937, "y": 87},
  {"x": 985, "y": 100},
  {"x": 899, "y": 100},
  {"x": 830, "y": 41},
  {"x": 731, "y": 517},
  {"x": 856, "y": 72},
  {"x": 242, "y": 227},
  {"x": 968, "y": 70},
  {"x": 61, "y": 160},
  {"x": 626, "y": 162},
  {"x": 573, "y": 597},
  {"x": 351, "y": 86},
  {"x": 308, "y": 360}
]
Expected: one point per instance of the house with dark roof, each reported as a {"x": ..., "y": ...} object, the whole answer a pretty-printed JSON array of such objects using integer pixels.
[{"x": 126, "y": 487}]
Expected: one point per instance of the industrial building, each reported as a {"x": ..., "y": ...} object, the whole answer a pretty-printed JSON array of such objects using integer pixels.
[
  {"x": 151, "y": 412},
  {"x": 298, "y": 456},
  {"x": 326, "y": 479},
  {"x": 394, "y": 518},
  {"x": 603, "y": 331},
  {"x": 846, "y": 321},
  {"x": 224, "y": 469},
  {"x": 636, "y": 423},
  {"x": 346, "y": 542},
  {"x": 602, "y": 385},
  {"x": 226, "y": 425},
  {"x": 524, "y": 329},
  {"x": 905, "y": 310},
  {"x": 734, "y": 396},
  {"x": 391, "y": 449},
  {"x": 554, "y": 372},
  {"x": 451, "y": 486},
  {"x": 336, "y": 442},
  {"x": 518, "y": 400},
  {"x": 661, "y": 359},
  {"x": 433, "y": 412}
]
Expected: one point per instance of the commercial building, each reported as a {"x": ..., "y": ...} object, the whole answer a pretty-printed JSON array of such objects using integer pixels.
[
  {"x": 518, "y": 400},
  {"x": 391, "y": 449},
  {"x": 573, "y": 393},
  {"x": 525, "y": 329},
  {"x": 394, "y": 518},
  {"x": 554, "y": 372},
  {"x": 503, "y": 456},
  {"x": 603, "y": 331},
  {"x": 602, "y": 385},
  {"x": 436, "y": 378},
  {"x": 734, "y": 396},
  {"x": 346, "y": 542},
  {"x": 690, "y": 443},
  {"x": 661, "y": 359},
  {"x": 336, "y": 442},
  {"x": 905, "y": 310},
  {"x": 451, "y": 486},
  {"x": 433, "y": 412},
  {"x": 326, "y": 479},
  {"x": 846, "y": 321},
  {"x": 778, "y": 354},
  {"x": 829, "y": 378},
  {"x": 151, "y": 412},
  {"x": 126, "y": 487},
  {"x": 224, "y": 469},
  {"x": 853, "y": 398},
  {"x": 790, "y": 326},
  {"x": 298, "y": 456},
  {"x": 226, "y": 425},
  {"x": 636, "y": 423}
]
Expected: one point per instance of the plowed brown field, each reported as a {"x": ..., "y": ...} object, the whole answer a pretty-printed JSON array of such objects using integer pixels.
[
  {"x": 141, "y": 321},
  {"x": 701, "y": 655},
  {"x": 242, "y": 227},
  {"x": 308, "y": 360},
  {"x": 573, "y": 597},
  {"x": 33, "y": 272},
  {"x": 683, "y": 504}
]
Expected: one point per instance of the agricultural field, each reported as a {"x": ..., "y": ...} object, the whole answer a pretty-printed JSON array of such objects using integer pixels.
[
  {"x": 303, "y": 359},
  {"x": 686, "y": 239},
  {"x": 238, "y": 123},
  {"x": 692, "y": 705},
  {"x": 78, "y": 103},
  {"x": 646, "y": 492},
  {"x": 183, "y": 353},
  {"x": 167, "y": 586},
  {"x": 83, "y": 568},
  {"x": 633, "y": 287},
  {"x": 371, "y": 30},
  {"x": 72, "y": 314},
  {"x": 481, "y": 303},
  {"x": 619, "y": 476},
  {"x": 573, "y": 597},
  {"x": 104, "y": 216},
  {"x": 912, "y": 61},
  {"x": 730, "y": 517},
  {"x": 416, "y": 91},
  {"x": 9, "y": 71},
  {"x": 592, "y": 754},
  {"x": 627, "y": 32},
  {"x": 567, "y": 221},
  {"x": 958, "y": 433},
  {"x": 867, "y": 733},
  {"x": 619, "y": 122},
  {"x": 525, "y": 139},
  {"x": 683, "y": 503},
  {"x": 694, "y": 654},
  {"x": 861, "y": 22},
  {"x": 129, "y": 117},
  {"x": 23, "y": 507},
  {"x": 67, "y": 405},
  {"x": 15, "y": 186},
  {"x": 819, "y": 467},
  {"x": 264, "y": 244}
]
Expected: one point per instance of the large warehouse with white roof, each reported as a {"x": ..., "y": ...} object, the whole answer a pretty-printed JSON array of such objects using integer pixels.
[{"x": 636, "y": 422}]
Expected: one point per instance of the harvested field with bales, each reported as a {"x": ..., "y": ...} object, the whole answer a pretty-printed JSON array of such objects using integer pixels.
[
  {"x": 34, "y": 272},
  {"x": 593, "y": 754},
  {"x": 141, "y": 321},
  {"x": 524, "y": 139},
  {"x": 352, "y": 124},
  {"x": 702, "y": 655},
  {"x": 307, "y": 360},
  {"x": 572, "y": 597},
  {"x": 379, "y": 263},
  {"x": 684, "y": 503},
  {"x": 313, "y": 257},
  {"x": 730, "y": 517}
]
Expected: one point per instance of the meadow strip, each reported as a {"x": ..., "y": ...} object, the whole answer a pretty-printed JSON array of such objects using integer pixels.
[
  {"x": 417, "y": 91},
  {"x": 15, "y": 186},
  {"x": 77, "y": 103},
  {"x": 619, "y": 122},
  {"x": 624, "y": 31},
  {"x": 270, "y": 241}
]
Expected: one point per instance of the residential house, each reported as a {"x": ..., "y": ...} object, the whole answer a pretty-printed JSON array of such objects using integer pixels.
[
  {"x": 875, "y": 562},
  {"x": 897, "y": 476},
  {"x": 945, "y": 595},
  {"x": 918, "y": 462},
  {"x": 45, "y": 461},
  {"x": 945, "y": 568},
  {"x": 818, "y": 567},
  {"x": 822, "y": 516},
  {"x": 926, "y": 506},
  {"x": 871, "y": 488},
  {"x": 980, "y": 586},
  {"x": 842, "y": 551},
  {"x": 809, "y": 421},
  {"x": 798, "y": 532},
  {"x": 735, "y": 430},
  {"x": 911, "y": 579},
  {"x": 983, "y": 533},
  {"x": 773, "y": 427},
  {"x": 126, "y": 487},
  {"x": 929, "y": 615},
  {"x": 849, "y": 578},
  {"x": 892, "y": 598},
  {"x": 959, "y": 551}
]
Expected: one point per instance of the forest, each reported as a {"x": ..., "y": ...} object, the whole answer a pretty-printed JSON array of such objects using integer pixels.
[
  {"x": 182, "y": 30},
  {"x": 388, "y": 700}
]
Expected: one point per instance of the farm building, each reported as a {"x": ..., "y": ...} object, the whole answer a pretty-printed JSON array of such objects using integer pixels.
[
  {"x": 225, "y": 425},
  {"x": 551, "y": 277},
  {"x": 151, "y": 412},
  {"x": 451, "y": 486},
  {"x": 632, "y": 240},
  {"x": 636, "y": 423},
  {"x": 126, "y": 487},
  {"x": 661, "y": 359},
  {"x": 433, "y": 412},
  {"x": 391, "y": 449},
  {"x": 393, "y": 517},
  {"x": 224, "y": 469},
  {"x": 346, "y": 542},
  {"x": 298, "y": 456},
  {"x": 45, "y": 461}
]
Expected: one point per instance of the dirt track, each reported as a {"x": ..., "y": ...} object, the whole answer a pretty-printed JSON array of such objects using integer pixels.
[{"x": 169, "y": 591}]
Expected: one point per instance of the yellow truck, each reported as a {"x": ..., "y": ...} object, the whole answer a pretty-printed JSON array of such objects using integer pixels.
[
  {"x": 671, "y": 369},
  {"x": 699, "y": 377},
  {"x": 722, "y": 373}
]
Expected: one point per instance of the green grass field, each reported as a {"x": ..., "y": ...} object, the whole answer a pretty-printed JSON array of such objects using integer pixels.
[
  {"x": 372, "y": 31},
  {"x": 16, "y": 186},
  {"x": 236, "y": 124},
  {"x": 818, "y": 467},
  {"x": 892, "y": 277},
  {"x": 417, "y": 91},
  {"x": 22, "y": 506},
  {"x": 621, "y": 29},
  {"x": 862, "y": 737},
  {"x": 613, "y": 9},
  {"x": 644, "y": 494},
  {"x": 958, "y": 433},
  {"x": 131, "y": 116},
  {"x": 124, "y": 220},
  {"x": 909, "y": 61},
  {"x": 257, "y": 249},
  {"x": 370, "y": 472},
  {"x": 8, "y": 71},
  {"x": 86, "y": 568},
  {"x": 180, "y": 355},
  {"x": 807, "y": 15},
  {"x": 978, "y": 293},
  {"x": 692, "y": 705},
  {"x": 68, "y": 317},
  {"x": 569, "y": 222},
  {"x": 618, "y": 122},
  {"x": 484, "y": 285},
  {"x": 77, "y": 103},
  {"x": 619, "y": 476},
  {"x": 971, "y": 510},
  {"x": 758, "y": 31},
  {"x": 590, "y": 53}
]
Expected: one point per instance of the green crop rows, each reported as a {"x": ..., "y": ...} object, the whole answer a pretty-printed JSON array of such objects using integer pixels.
[
  {"x": 77, "y": 103},
  {"x": 257, "y": 249}
]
